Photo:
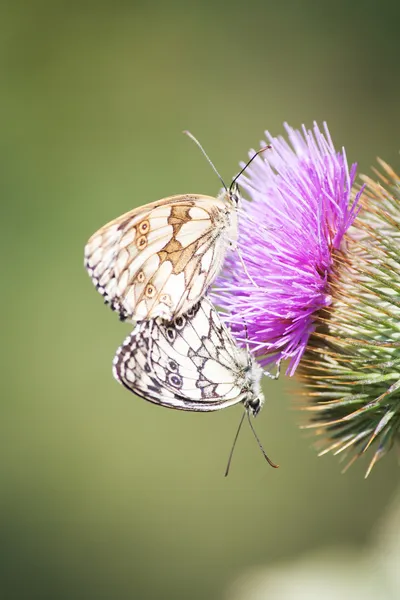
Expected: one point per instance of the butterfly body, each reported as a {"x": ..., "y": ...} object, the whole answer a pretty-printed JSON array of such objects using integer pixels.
[
  {"x": 191, "y": 363},
  {"x": 158, "y": 260}
]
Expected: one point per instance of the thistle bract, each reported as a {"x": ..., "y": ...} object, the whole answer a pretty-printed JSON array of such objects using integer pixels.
[{"x": 351, "y": 368}]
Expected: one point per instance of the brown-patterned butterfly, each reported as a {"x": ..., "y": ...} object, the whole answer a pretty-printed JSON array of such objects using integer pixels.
[{"x": 158, "y": 260}]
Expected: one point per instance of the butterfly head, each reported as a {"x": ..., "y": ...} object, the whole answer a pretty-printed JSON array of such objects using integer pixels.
[
  {"x": 254, "y": 404},
  {"x": 231, "y": 196},
  {"x": 234, "y": 194}
]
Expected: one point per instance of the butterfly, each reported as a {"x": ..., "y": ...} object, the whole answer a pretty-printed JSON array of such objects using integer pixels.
[
  {"x": 158, "y": 260},
  {"x": 192, "y": 363}
]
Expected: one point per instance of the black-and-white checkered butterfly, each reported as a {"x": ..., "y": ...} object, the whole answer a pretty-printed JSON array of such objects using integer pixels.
[{"x": 192, "y": 363}]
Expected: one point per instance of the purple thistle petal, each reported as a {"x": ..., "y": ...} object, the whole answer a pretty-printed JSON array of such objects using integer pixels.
[{"x": 299, "y": 210}]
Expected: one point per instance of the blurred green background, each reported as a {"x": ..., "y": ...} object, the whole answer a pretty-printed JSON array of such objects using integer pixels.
[{"x": 102, "y": 494}]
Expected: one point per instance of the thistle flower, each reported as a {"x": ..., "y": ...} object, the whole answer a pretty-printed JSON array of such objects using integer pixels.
[
  {"x": 299, "y": 211},
  {"x": 351, "y": 368},
  {"x": 316, "y": 285}
]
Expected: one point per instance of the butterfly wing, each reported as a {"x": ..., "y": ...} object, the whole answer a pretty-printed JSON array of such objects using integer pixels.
[
  {"x": 192, "y": 363},
  {"x": 159, "y": 260}
]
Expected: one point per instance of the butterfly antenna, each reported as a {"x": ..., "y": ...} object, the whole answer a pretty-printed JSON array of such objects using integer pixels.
[
  {"x": 228, "y": 466},
  {"x": 196, "y": 141},
  {"x": 269, "y": 461},
  {"x": 249, "y": 162}
]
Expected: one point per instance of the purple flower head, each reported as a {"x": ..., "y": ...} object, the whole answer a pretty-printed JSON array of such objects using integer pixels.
[{"x": 299, "y": 210}]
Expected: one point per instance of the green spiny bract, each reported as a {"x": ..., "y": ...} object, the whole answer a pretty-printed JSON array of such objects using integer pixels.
[{"x": 351, "y": 368}]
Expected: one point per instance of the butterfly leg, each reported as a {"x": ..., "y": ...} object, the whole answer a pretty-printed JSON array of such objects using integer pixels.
[{"x": 277, "y": 373}]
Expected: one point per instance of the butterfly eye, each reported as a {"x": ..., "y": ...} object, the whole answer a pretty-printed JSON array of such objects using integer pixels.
[
  {"x": 254, "y": 404},
  {"x": 141, "y": 242},
  {"x": 175, "y": 380},
  {"x": 172, "y": 365},
  {"x": 235, "y": 199},
  {"x": 141, "y": 277},
  {"x": 144, "y": 227}
]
